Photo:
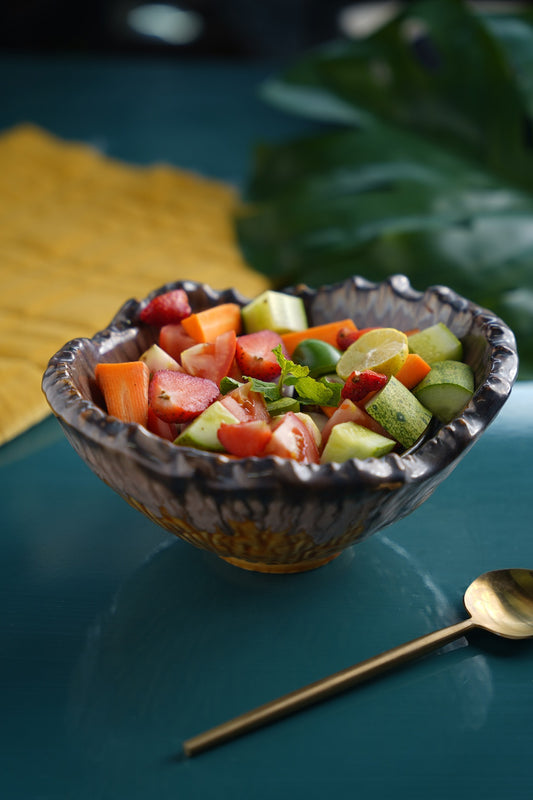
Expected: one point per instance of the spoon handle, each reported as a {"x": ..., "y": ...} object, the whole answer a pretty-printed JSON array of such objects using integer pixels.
[{"x": 324, "y": 688}]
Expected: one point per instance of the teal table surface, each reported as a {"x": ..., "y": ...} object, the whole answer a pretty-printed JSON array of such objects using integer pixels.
[{"x": 118, "y": 642}]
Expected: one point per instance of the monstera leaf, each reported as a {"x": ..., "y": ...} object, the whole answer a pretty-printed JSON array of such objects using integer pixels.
[{"x": 419, "y": 160}]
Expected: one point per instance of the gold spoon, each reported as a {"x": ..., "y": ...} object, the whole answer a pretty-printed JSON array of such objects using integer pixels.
[{"x": 500, "y": 602}]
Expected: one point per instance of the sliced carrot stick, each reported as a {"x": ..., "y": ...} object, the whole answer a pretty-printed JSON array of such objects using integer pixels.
[
  {"x": 125, "y": 390},
  {"x": 326, "y": 333},
  {"x": 205, "y": 326},
  {"x": 412, "y": 371}
]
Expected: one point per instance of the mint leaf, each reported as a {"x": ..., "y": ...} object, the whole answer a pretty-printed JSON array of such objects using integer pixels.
[
  {"x": 320, "y": 393},
  {"x": 308, "y": 390},
  {"x": 335, "y": 389},
  {"x": 228, "y": 384},
  {"x": 289, "y": 368},
  {"x": 270, "y": 390}
]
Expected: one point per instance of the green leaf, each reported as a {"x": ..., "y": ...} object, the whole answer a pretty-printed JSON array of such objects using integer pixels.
[
  {"x": 288, "y": 368},
  {"x": 228, "y": 384},
  {"x": 270, "y": 390},
  {"x": 426, "y": 167},
  {"x": 313, "y": 392},
  {"x": 308, "y": 390}
]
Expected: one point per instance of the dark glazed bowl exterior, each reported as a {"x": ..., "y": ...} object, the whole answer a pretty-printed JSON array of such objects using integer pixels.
[{"x": 271, "y": 514}]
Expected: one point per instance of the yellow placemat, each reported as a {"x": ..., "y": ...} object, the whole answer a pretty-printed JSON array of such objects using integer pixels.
[{"x": 80, "y": 234}]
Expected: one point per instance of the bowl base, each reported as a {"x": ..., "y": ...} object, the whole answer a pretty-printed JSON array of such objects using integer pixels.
[{"x": 278, "y": 569}]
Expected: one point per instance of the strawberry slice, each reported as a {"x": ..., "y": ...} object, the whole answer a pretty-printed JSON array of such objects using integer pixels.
[
  {"x": 359, "y": 384},
  {"x": 165, "y": 309},
  {"x": 246, "y": 438},
  {"x": 254, "y": 355},
  {"x": 179, "y": 397}
]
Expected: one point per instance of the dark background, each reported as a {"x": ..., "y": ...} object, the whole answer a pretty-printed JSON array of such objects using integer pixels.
[{"x": 241, "y": 29}]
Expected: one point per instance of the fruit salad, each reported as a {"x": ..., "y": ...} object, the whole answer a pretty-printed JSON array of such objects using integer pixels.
[{"x": 259, "y": 381}]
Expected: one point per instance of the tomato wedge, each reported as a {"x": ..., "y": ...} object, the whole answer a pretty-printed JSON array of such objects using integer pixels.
[
  {"x": 246, "y": 404},
  {"x": 211, "y": 360},
  {"x": 246, "y": 438},
  {"x": 167, "y": 430},
  {"x": 174, "y": 339},
  {"x": 291, "y": 438}
]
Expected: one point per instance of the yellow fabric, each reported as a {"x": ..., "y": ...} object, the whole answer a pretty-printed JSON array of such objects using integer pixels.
[{"x": 79, "y": 235}]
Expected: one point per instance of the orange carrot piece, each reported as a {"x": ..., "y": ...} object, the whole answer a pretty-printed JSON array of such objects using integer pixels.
[
  {"x": 205, "y": 326},
  {"x": 326, "y": 333},
  {"x": 413, "y": 370},
  {"x": 125, "y": 389}
]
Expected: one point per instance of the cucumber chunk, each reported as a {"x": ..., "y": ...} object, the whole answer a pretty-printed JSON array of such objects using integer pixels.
[
  {"x": 446, "y": 389},
  {"x": 275, "y": 311},
  {"x": 436, "y": 343},
  {"x": 399, "y": 412},
  {"x": 202, "y": 432},
  {"x": 350, "y": 440}
]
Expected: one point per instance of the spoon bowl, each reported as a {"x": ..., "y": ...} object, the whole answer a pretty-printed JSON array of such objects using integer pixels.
[{"x": 500, "y": 602}]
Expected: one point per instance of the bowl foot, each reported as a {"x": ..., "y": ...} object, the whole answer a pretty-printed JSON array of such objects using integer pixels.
[{"x": 279, "y": 569}]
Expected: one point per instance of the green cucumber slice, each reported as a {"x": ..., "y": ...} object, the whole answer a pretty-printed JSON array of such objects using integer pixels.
[
  {"x": 399, "y": 412},
  {"x": 436, "y": 343},
  {"x": 275, "y": 311},
  {"x": 446, "y": 389},
  {"x": 202, "y": 431},
  {"x": 350, "y": 440}
]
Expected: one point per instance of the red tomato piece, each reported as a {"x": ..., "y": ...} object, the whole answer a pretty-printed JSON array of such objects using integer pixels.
[
  {"x": 291, "y": 438},
  {"x": 254, "y": 355},
  {"x": 167, "y": 308},
  {"x": 246, "y": 404},
  {"x": 167, "y": 430},
  {"x": 212, "y": 360},
  {"x": 180, "y": 397},
  {"x": 174, "y": 340},
  {"x": 246, "y": 438}
]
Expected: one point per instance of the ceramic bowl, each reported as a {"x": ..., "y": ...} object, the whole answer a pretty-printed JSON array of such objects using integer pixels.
[{"x": 270, "y": 514}]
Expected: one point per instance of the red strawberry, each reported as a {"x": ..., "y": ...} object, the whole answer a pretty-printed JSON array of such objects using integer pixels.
[
  {"x": 179, "y": 397},
  {"x": 167, "y": 308},
  {"x": 254, "y": 355},
  {"x": 359, "y": 384}
]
